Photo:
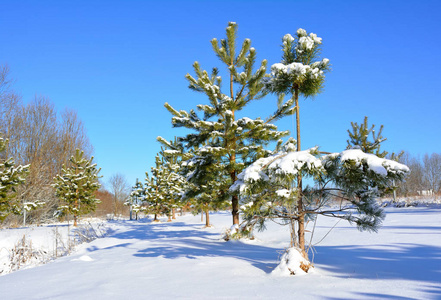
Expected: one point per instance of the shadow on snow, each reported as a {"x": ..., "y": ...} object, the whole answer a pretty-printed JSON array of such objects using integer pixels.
[
  {"x": 192, "y": 241},
  {"x": 399, "y": 261}
]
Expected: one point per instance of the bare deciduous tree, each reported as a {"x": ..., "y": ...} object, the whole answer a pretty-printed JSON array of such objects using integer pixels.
[
  {"x": 120, "y": 190},
  {"x": 39, "y": 136},
  {"x": 432, "y": 172}
]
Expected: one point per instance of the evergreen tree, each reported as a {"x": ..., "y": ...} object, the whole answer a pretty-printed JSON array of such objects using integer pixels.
[
  {"x": 76, "y": 185},
  {"x": 153, "y": 184},
  {"x": 359, "y": 138},
  {"x": 207, "y": 180},
  {"x": 352, "y": 178},
  {"x": 271, "y": 187},
  {"x": 10, "y": 177},
  {"x": 299, "y": 73},
  {"x": 173, "y": 153},
  {"x": 135, "y": 200},
  {"x": 233, "y": 142},
  {"x": 163, "y": 188}
]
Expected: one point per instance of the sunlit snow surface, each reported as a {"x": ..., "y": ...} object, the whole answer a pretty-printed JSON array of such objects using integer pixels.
[{"x": 183, "y": 260}]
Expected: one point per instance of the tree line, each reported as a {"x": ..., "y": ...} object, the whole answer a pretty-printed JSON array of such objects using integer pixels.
[
  {"x": 425, "y": 176},
  {"x": 45, "y": 143}
]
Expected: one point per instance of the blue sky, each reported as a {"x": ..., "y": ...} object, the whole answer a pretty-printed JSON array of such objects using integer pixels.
[{"x": 117, "y": 62}]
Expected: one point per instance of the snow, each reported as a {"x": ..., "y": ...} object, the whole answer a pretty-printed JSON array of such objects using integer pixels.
[
  {"x": 301, "y": 32},
  {"x": 171, "y": 152},
  {"x": 288, "y": 38},
  {"x": 182, "y": 260},
  {"x": 293, "y": 68},
  {"x": 283, "y": 193},
  {"x": 283, "y": 163},
  {"x": 293, "y": 162},
  {"x": 290, "y": 264},
  {"x": 376, "y": 164}
]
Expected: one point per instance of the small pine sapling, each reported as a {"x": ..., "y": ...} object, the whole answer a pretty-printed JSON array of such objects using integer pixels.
[
  {"x": 76, "y": 186},
  {"x": 11, "y": 176}
]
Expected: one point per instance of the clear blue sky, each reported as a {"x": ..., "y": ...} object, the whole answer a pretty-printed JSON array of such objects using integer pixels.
[{"x": 117, "y": 62}]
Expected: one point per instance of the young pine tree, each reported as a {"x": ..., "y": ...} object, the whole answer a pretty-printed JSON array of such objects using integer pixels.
[
  {"x": 300, "y": 73},
  {"x": 10, "y": 177},
  {"x": 154, "y": 199},
  {"x": 76, "y": 185},
  {"x": 207, "y": 182},
  {"x": 359, "y": 138},
  {"x": 271, "y": 187},
  {"x": 135, "y": 200},
  {"x": 164, "y": 187},
  {"x": 231, "y": 141}
]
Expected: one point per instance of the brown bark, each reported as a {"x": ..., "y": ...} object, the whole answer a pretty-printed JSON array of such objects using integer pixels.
[
  {"x": 207, "y": 218},
  {"x": 301, "y": 213},
  {"x": 234, "y": 198},
  {"x": 235, "y": 210},
  {"x": 174, "y": 214}
]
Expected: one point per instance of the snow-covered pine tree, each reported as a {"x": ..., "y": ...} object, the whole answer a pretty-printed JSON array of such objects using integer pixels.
[
  {"x": 367, "y": 140},
  {"x": 208, "y": 180},
  {"x": 76, "y": 185},
  {"x": 10, "y": 177},
  {"x": 346, "y": 187},
  {"x": 232, "y": 141},
  {"x": 300, "y": 72},
  {"x": 173, "y": 155},
  {"x": 359, "y": 138},
  {"x": 136, "y": 198},
  {"x": 352, "y": 177},
  {"x": 164, "y": 187},
  {"x": 153, "y": 184}
]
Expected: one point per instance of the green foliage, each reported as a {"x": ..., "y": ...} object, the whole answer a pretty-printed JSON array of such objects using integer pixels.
[
  {"x": 76, "y": 184},
  {"x": 10, "y": 177},
  {"x": 300, "y": 69},
  {"x": 352, "y": 178},
  {"x": 226, "y": 141},
  {"x": 359, "y": 138},
  {"x": 164, "y": 188},
  {"x": 208, "y": 180}
]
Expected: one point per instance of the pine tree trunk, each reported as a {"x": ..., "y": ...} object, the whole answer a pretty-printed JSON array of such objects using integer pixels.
[
  {"x": 235, "y": 212},
  {"x": 76, "y": 209},
  {"x": 174, "y": 214},
  {"x": 207, "y": 218},
  {"x": 156, "y": 218},
  {"x": 301, "y": 218},
  {"x": 234, "y": 198}
]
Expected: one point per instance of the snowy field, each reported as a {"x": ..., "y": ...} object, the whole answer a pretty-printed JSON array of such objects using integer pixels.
[{"x": 183, "y": 260}]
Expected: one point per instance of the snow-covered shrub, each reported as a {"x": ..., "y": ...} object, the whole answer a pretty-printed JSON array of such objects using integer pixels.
[
  {"x": 23, "y": 255},
  {"x": 293, "y": 263}
]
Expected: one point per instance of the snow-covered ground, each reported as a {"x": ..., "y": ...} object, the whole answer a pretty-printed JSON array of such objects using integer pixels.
[{"x": 183, "y": 260}]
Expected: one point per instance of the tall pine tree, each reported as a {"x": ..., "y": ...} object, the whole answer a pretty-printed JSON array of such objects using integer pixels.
[
  {"x": 272, "y": 186},
  {"x": 300, "y": 73},
  {"x": 231, "y": 141}
]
